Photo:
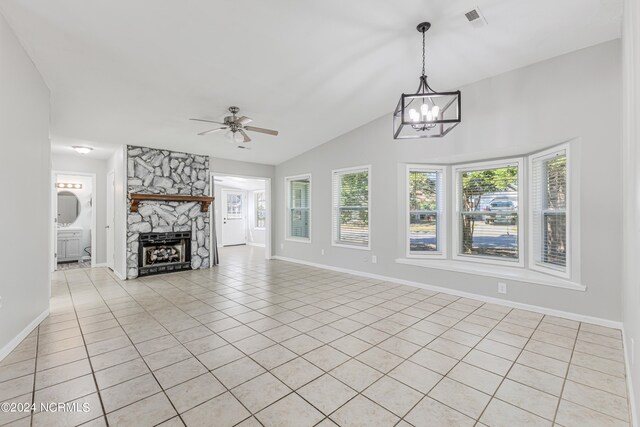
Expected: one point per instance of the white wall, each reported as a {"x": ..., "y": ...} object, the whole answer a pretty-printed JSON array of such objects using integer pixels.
[
  {"x": 85, "y": 198},
  {"x": 631, "y": 156},
  {"x": 117, "y": 163},
  {"x": 513, "y": 113},
  {"x": 78, "y": 163},
  {"x": 25, "y": 171}
]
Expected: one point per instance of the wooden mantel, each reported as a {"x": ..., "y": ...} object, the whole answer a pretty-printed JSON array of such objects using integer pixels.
[{"x": 136, "y": 198}]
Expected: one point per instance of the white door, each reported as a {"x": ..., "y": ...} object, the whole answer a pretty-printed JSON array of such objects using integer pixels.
[
  {"x": 110, "y": 217},
  {"x": 233, "y": 218}
]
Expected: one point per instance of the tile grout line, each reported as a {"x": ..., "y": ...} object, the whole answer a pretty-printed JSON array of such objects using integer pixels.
[
  {"x": 493, "y": 396},
  {"x": 93, "y": 374},
  {"x": 564, "y": 382}
]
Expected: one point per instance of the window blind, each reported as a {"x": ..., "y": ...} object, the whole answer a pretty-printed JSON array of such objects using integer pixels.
[
  {"x": 261, "y": 209},
  {"x": 549, "y": 210},
  {"x": 299, "y": 212},
  {"x": 488, "y": 212},
  {"x": 351, "y": 207},
  {"x": 425, "y": 207}
]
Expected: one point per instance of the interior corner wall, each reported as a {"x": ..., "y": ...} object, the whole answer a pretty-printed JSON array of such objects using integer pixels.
[
  {"x": 26, "y": 211},
  {"x": 73, "y": 163},
  {"x": 631, "y": 208},
  {"x": 577, "y": 95}
]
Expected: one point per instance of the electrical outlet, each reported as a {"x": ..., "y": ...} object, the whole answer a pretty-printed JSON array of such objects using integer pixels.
[
  {"x": 374, "y": 259},
  {"x": 321, "y": 251},
  {"x": 281, "y": 245},
  {"x": 502, "y": 288}
]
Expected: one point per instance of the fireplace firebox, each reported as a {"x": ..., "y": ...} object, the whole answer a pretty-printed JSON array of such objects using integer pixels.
[{"x": 164, "y": 252}]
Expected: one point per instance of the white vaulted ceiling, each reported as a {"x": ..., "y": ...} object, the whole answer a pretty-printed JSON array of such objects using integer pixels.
[{"x": 134, "y": 71}]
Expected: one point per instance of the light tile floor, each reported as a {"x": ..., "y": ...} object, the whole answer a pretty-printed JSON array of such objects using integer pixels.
[{"x": 255, "y": 342}]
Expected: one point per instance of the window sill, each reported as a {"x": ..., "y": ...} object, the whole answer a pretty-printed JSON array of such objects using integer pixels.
[
  {"x": 297, "y": 240},
  {"x": 357, "y": 247},
  {"x": 500, "y": 272}
]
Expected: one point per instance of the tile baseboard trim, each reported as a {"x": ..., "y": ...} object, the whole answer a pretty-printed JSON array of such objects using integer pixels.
[
  {"x": 627, "y": 366},
  {"x": 11, "y": 345},
  {"x": 538, "y": 309}
]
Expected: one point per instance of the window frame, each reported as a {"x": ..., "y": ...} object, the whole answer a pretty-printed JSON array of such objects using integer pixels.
[
  {"x": 287, "y": 216},
  {"x": 441, "y": 211},
  {"x": 256, "y": 210},
  {"x": 334, "y": 213},
  {"x": 543, "y": 155},
  {"x": 456, "y": 212}
]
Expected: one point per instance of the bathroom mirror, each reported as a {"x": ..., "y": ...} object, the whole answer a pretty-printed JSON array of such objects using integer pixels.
[{"x": 68, "y": 207}]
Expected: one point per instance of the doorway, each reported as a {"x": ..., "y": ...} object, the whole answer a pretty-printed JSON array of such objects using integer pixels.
[
  {"x": 242, "y": 211},
  {"x": 74, "y": 220}
]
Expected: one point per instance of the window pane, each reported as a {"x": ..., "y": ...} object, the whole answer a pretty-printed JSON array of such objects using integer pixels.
[
  {"x": 299, "y": 208},
  {"x": 489, "y": 218},
  {"x": 234, "y": 206},
  {"x": 423, "y": 216},
  {"x": 553, "y": 249},
  {"x": 353, "y": 208},
  {"x": 423, "y": 231}
]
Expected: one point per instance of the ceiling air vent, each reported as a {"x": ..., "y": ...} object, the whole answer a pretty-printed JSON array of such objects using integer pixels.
[{"x": 476, "y": 18}]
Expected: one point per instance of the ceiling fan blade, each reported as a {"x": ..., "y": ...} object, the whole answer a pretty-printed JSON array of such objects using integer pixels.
[
  {"x": 211, "y": 131},
  {"x": 244, "y": 135},
  {"x": 262, "y": 130},
  {"x": 243, "y": 120},
  {"x": 208, "y": 121}
]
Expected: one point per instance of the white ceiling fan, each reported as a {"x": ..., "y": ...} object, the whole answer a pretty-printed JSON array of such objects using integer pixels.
[{"x": 236, "y": 127}]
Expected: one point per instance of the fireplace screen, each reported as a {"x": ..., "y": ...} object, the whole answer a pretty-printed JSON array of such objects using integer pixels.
[
  {"x": 164, "y": 252},
  {"x": 158, "y": 254}
]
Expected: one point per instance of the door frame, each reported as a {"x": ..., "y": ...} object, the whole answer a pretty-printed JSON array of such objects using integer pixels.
[
  {"x": 110, "y": 227},
  {"x": 54, "y": 215},
  {"x": 267, "y": 193}
]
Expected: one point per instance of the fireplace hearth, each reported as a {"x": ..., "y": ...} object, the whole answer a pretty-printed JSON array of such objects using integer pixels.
[{"x": 163, "y": 252}]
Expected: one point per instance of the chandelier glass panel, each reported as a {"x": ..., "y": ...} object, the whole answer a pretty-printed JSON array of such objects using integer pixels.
[{"x": 426, "y": 113}]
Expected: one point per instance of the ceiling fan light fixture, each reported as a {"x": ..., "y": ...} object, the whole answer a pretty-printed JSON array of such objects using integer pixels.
[{"x": 426, "y": 113}]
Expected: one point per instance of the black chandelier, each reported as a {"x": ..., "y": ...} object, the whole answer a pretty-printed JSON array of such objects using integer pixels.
[{"x": 426, "y": 113}]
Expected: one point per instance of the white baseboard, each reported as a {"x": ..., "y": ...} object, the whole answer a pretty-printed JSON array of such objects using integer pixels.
[
  {"x": 630, "y": 391},
  {"x": 11, "y": 345},
  {"x": 100, "y": 265},
  {"x": 260, "y": 245},
  {"x": 538, "y": 309}
]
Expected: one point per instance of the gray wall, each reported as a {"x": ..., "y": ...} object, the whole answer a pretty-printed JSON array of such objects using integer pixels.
[
  {"x": 72, "y": 163},
  {"x": 514, "y": 113},
  {"x": 25, "y": 171},
  {"x": 631, "y": 155}
]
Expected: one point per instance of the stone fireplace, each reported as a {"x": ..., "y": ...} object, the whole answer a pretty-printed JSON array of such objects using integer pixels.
[{"x": 166, "y": 236}]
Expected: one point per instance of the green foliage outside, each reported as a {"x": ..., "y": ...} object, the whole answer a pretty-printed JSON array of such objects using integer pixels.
[{"x": 474, "y": 185}]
